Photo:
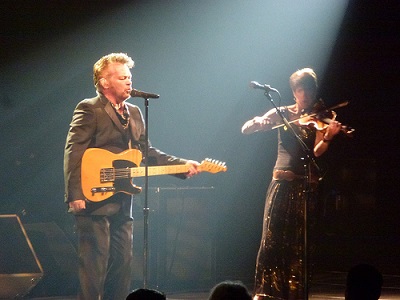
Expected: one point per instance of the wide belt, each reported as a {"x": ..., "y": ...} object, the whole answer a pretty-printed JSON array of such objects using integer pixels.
[
  {"x": 286, "y": 175},
  {"x": 290, "y": 176}
]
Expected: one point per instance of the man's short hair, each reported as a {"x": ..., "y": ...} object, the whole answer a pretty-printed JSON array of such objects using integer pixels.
[
  {"x": 108, "y": 59},
  {"x": 229, "y": 290},
  {"x": 147, "y": 294}
]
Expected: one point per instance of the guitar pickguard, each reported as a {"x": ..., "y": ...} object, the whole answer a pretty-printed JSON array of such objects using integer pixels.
[{"x": 122, "y": 180}]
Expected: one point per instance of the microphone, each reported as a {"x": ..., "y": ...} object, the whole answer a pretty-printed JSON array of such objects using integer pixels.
[
  {"x": 267, "y": 88},
  {"x": 141, "y": 94}
]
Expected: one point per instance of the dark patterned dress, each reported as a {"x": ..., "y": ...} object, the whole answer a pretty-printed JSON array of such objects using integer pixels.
[{"x": 279, "y": 266}]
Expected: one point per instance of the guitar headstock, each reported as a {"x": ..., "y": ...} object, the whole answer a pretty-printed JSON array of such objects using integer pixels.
[{"x": 213, "y": 166}]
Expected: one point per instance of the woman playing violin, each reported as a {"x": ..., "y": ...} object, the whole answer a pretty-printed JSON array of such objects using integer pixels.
[{"x": 279, "y": 270}]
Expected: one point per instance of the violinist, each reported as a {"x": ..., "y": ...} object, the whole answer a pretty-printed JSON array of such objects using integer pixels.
[{"x": 279, "y": 270}]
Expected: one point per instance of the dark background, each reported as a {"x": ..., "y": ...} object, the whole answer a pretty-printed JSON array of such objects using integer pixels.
[{"x": 47, "y": 52}]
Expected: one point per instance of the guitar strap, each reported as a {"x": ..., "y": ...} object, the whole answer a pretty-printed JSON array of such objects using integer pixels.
[
  {"x": 130, "y": 134},
  {"x": 131, "y": 141}
]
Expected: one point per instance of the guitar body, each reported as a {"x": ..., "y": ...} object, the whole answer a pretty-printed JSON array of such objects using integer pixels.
[{"x": 103, "y": 173}]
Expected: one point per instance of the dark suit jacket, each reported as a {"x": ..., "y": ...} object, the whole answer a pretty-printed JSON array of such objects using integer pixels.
[{"x": 96, "y": 125}]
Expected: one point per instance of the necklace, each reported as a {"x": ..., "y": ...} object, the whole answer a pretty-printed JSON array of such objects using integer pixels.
[
  {"x": 123, "y": 115},
  {"x": 117, "y": 106}
]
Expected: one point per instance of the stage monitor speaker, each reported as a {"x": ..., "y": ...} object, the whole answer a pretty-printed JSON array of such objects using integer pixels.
[
  {"x": 59, "y": 260},
  {"x": 20, "y": 269}
]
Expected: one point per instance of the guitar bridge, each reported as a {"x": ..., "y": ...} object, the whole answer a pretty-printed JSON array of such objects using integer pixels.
[
  {"x": 107, "y": 175},
  {"x": 102, "y": 190}
]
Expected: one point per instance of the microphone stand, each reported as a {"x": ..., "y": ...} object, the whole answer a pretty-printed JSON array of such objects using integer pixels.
[
  {"x": 146, "y": 210},
  {"x": 307, "y": 177},
  {"x": 146, "y": 192}
]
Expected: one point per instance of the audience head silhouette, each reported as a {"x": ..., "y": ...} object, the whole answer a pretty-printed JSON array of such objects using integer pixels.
[
  {"x": 364, "y": 282},
  {"x": 146, "y": 294},
  {"x": 229, "y": 290}
]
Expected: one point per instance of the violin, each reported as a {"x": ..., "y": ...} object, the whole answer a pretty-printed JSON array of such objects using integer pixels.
[{"x": 320, "y": 118}]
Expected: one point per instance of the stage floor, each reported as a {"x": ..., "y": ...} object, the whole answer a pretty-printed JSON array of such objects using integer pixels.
[
  {"x": 328, "y": 285},
  {"x": 386, "y": 295}
]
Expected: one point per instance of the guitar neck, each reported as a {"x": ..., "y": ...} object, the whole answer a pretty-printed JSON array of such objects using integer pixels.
[{"x": 159, "y": 170}]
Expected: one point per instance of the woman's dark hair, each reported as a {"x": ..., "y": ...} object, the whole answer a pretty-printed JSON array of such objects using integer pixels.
[{"x": 305, "y": 78}]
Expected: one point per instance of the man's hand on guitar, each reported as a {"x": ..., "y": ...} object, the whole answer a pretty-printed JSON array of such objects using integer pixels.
[
  {"x": 193, "y": 168},
  {"x": 77, "y": 205}
]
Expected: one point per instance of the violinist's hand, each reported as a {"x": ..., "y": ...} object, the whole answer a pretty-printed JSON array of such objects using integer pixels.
[
  {"x": 256, "y": 124},
  {"x": 193, "y": 168},
  {"x": 333, "y": 129},
  {"x": 262, "y": 121}
]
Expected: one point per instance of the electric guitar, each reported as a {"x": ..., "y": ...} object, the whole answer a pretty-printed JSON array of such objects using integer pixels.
[{"x": 104, "y": 173}]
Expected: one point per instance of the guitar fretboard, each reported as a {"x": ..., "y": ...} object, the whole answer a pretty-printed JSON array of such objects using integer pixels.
[{"x": 159, "y": 170}]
